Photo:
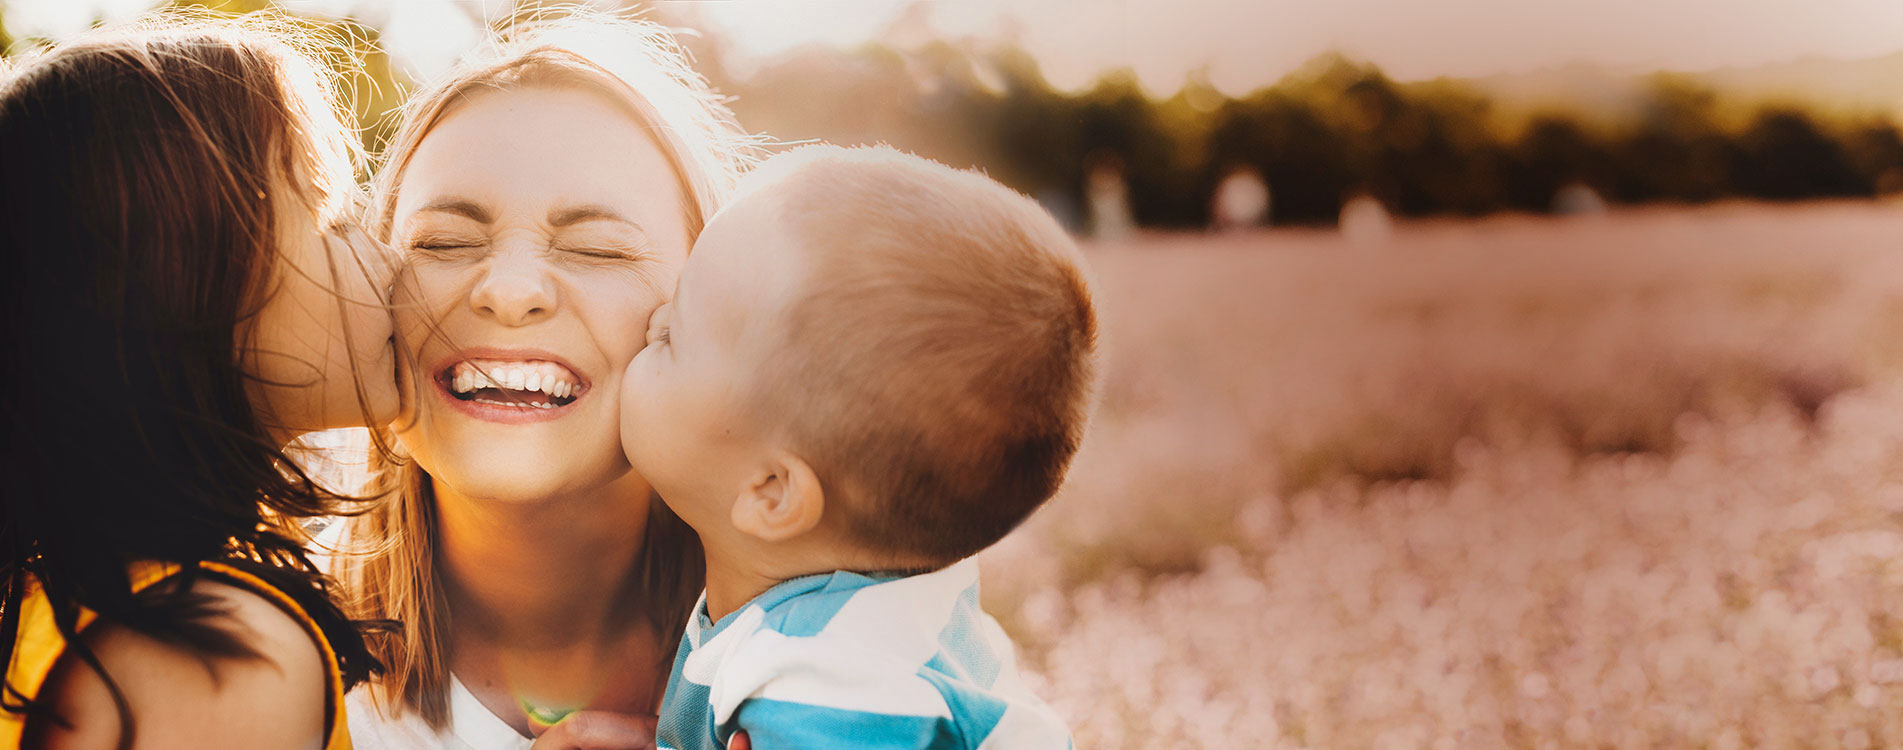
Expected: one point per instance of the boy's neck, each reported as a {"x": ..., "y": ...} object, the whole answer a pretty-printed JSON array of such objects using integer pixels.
[
  {"x": 731, "y": 584},
  {"x": 739, "y": 570}
]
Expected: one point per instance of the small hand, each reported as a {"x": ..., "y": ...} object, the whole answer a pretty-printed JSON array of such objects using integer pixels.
[
  {"x": 740, "y": 741},
  {"x": 598, "y": 730}
]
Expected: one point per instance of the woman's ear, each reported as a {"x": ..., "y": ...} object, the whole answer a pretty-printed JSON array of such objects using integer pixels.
[{"x": 784, "y": 502}]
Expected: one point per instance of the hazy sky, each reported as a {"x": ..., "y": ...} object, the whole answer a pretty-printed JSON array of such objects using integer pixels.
[
  {"x": 1244, "y": 43},
  {"x": 1247, "y": 44}
]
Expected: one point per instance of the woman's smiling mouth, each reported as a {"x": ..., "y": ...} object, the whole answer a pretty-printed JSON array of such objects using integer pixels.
[{"x": 510, "y": 389}]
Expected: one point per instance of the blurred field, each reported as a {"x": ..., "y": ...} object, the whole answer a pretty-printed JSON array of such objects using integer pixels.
[{"x": 1631, "y": 480}]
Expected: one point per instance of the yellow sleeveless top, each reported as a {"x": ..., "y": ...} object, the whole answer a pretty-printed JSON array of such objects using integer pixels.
[{"x": 39, "y": 645}]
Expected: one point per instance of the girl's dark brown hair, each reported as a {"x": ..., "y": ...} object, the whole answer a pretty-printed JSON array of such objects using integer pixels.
[{"x": 143, "y": 173}]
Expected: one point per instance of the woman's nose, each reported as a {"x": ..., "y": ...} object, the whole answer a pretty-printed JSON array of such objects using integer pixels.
[{"x": 515, "y": 289}]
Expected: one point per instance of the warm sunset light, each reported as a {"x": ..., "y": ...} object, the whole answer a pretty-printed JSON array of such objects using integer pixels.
[
  {"x": 1294, "y": 374},
  {"x": 1243, "y": 44}
]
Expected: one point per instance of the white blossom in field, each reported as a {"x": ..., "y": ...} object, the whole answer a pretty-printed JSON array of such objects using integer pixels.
[{"x": 1631, "y": 483}]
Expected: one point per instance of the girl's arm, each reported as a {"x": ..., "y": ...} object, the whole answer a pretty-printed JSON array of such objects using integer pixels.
[{"x": 180, "y": 698}]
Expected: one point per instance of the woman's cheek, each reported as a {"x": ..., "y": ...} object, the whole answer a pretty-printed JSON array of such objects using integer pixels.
[
  {"x": 425, "y": 294},
  {"x": 620, "y": 313},
  {"x": 374, "y": 364},
  {"x": 412, "y": 317}
]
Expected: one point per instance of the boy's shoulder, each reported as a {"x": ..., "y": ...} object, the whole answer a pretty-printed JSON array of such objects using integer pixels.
[
  {"x": 889, "y": 623},
  {"x": 810, "y": 606},
  {"x": 904, "y": 655}
]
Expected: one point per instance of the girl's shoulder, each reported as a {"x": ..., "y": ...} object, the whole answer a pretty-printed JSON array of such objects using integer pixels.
[{"x": 174, "y": 695}]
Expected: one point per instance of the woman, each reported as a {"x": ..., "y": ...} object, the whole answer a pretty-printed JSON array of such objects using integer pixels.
[
  {"x": 177, "y": 257},
  {"x": 545, "y": 196}
]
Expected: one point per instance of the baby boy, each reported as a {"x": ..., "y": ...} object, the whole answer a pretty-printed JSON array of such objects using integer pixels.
[{"x": 875, "y": 366}]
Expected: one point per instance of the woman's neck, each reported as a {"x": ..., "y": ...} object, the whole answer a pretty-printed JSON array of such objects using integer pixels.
[
  {"x": 538, "y": 592},
  {"x": 547, "y": 574}
]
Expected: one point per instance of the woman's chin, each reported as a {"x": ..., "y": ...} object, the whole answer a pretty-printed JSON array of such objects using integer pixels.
[{"x": 517, "y": 473}]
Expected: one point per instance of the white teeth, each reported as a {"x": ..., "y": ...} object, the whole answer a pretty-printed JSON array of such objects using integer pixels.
[
  {"x": 469, "y": 380},
  {"x": 545, "y": 377}
]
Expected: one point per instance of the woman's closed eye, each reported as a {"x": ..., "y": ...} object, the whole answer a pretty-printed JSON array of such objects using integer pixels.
[
  {"x": 602, "y": 252},
  {"x": 444, "y": 246}
]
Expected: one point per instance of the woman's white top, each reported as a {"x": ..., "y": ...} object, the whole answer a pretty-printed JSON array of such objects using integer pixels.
[{"x": 471, "y": 726}]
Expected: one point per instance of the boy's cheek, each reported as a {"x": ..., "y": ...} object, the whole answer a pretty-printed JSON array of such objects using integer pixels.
[
  {"x": 632, "y": 406},
  {"x": 631, "y": 383}
]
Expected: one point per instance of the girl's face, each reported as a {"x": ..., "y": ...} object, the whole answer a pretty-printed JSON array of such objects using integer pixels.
[
  {"x": 324, "y": 331},
  {"x": 542, "y": 226}
]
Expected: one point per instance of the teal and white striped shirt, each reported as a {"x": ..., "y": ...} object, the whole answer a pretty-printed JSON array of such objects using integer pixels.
[{"x": 850, "y": 660}]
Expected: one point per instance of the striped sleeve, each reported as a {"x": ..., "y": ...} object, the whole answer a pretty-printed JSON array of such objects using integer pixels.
[{"x": 773, "y": 724}]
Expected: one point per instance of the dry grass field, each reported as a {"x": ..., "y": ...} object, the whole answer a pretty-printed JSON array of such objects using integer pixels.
[{"x": 1620, "y": 481}]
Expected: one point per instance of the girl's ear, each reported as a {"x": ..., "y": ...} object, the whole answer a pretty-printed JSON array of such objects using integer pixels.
[{"x": 784, "y": 502}]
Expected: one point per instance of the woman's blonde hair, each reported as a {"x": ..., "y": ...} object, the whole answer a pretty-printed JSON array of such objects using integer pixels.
[{"x": 640, "y": 64}]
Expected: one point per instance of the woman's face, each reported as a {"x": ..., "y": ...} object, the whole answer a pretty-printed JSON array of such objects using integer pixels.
[
  {"x": 324, "y": 331},
  {"x": 542, "y": 226}
]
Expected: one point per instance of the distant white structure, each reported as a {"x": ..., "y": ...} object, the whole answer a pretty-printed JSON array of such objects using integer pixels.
[
  {"x": 1109, "y": 199},
  {"x": 1365, "y": 221},
  {"x": 1241, "y": 201},
  {"x": 1578, "y": 199}
]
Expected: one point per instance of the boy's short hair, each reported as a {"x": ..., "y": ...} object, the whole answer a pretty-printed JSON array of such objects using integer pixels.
[{"x": 937, "y": 366}]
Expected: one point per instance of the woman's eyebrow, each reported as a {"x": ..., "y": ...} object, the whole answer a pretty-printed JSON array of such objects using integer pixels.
[
  {"x": 460, "y": 207},
  {"x": 562, "y": 217}
]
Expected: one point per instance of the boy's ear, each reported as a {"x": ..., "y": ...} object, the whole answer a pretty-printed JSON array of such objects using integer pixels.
[{"x": 783, "y": 502}]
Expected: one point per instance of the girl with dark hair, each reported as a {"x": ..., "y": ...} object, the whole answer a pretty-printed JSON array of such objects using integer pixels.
[{"x": 185, "y": 295}]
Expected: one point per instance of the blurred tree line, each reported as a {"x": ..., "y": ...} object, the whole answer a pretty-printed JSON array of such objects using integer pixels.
[{"x": 1333, "y": 129}]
